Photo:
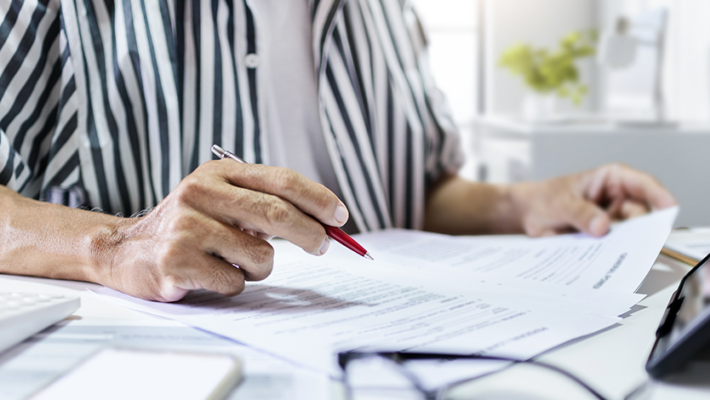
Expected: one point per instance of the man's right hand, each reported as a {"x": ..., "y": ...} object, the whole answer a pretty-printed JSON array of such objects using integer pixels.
[{"x": 219, "y": 217}]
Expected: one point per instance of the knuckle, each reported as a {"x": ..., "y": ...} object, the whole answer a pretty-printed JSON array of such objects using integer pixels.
[
  {"x": 168, "y": 282},
  {"x": 262, "y": 255},
  {"x": 189, "y": 191},
  {"x": 168, "y": 289},
  {"x": 211, "y": 165},
  {"x": 235, "y": 289},
  {"x": 229, "y": 282},
  {"x": 213, "y": 168},
  {"x": 325, "y": 199},
  {"x": 287, "y": 179},
  {"x": 277, "y": 213},
  {"x": 183, "y": 223}
]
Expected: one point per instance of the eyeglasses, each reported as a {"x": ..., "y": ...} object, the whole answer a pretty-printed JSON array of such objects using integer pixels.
[{"x": 385, "y": 375}]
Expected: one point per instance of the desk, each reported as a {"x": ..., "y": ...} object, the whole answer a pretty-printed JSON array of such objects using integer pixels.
[
  {"x": 511, "y": 150},
  {"x": 611, "y": 361}
]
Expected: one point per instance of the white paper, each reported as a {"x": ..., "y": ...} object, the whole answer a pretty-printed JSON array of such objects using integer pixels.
[
  {"x": 433, "y": 293},
  {"x": 568, "y": 264},
  {"x": 694, "y": 243},
  {"x": 309, "y": 308}
]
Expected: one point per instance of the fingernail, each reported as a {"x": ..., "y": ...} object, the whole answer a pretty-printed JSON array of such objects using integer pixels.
[
  {"x": 341, "y": 214},
  {"x": 325, "y": 246}
]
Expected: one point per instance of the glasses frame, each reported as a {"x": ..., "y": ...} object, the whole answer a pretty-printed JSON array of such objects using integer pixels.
[{"x": 399, "y": 358}]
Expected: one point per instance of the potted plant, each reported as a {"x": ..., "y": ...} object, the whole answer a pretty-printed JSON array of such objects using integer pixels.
[{"x": 550, "y": 74}]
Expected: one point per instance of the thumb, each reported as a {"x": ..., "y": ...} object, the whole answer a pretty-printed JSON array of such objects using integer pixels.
[{"x": 587, "y": 217}]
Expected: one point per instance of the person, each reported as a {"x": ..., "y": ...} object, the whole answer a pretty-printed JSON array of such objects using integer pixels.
[{"x": 109, "y": 109}]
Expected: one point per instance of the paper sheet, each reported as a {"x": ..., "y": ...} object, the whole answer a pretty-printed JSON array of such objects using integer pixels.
[
  {"x": 694, "y": 243},
  {"x": 566, "y": 264},
  {"x": 310, "y": 308}
]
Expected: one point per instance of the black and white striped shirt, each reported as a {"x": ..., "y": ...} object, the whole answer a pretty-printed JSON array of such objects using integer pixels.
[{"x": 124, "y": 98}]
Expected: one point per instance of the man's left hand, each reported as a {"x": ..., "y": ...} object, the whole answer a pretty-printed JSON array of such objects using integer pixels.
[{"x": 587, "y": 201}]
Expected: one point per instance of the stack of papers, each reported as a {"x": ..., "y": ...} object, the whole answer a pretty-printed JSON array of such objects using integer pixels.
[
  {"x": 690, "y": 245},
  {"x": 504, "y": 296}
]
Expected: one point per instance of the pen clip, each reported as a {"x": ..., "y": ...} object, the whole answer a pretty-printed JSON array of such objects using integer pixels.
[{"x": 222, "y": 153}]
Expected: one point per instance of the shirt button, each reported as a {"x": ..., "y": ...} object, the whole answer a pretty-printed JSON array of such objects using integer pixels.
[{"x": 252, "y": 60}]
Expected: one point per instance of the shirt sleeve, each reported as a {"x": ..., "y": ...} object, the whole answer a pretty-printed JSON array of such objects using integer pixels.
[
  {"x": 30, "y": 75},
  {"x": 14, "y": 173},
  {"x": 444, "y": 153}
]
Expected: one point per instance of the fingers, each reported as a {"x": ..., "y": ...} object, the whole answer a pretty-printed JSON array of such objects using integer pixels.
[
  {"x": 218, "y": 217},
  {"x": 179, "y": 269},
  {"x": 632, "y": 209},
  {"x": 264, "y": 215},
  {"x": 643, "y": 187},
  {"x": 207, "y": 260},
  {"x": 214, "y": 274},
  {"x": 586, "y": 217},
  {"x": 277, "y": 217},
  {"x": 619, "y": 182},
  {"x": 254, "y": 256},
  {"x": 284, "y": 211},
  {"x": 576, "y": 201},
  {"x": 571, "y": 214},
  {"x": 630, "y": 192},
  {"x": 310, "y": 197}
]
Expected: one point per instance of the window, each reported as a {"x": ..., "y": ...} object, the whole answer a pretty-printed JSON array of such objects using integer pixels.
[
  {"x": 453, "y": 31},
  {"x": 687, "y": 59}
]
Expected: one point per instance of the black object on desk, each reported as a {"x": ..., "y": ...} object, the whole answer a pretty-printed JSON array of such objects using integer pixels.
[{"x": 685, "y": 327}]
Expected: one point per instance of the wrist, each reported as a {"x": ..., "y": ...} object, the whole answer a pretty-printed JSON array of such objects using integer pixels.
[
  {"x": 510, "y": 207},
  {"x": 103, "y": 242}
]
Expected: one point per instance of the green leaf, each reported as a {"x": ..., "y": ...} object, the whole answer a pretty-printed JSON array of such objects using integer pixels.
[{"x": 552, "y": 71}]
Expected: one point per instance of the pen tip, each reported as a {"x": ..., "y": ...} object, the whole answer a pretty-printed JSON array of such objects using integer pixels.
[{"x": 369, "y": 257}]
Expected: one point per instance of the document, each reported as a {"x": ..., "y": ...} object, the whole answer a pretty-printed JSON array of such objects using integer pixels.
[
  {"x": 311, "y": 308},
  {"x": 692, "y": 243},
  {"x": 509, "y": 297},
  {"x": 567, "y": 264}
]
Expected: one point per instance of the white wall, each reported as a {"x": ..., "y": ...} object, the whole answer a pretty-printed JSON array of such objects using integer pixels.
[
  {"x": 687, "y": 64},
  {"x": 538, "y": 22},
  {"x": 452, "y": 29}
]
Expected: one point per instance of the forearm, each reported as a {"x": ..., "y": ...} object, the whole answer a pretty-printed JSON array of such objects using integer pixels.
[
  {"x": 456, "y": 206},
  {"x": 53, "y": 241}
]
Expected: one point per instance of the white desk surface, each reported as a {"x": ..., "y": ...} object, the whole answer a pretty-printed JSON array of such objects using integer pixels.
[{"x": 611, "y": 361}]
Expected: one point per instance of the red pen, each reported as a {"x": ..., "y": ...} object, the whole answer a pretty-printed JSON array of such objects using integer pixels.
[{"x": 335, "y": 233}]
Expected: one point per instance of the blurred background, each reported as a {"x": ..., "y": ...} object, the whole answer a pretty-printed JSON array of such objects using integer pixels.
[{"x": 542, "y": 88}]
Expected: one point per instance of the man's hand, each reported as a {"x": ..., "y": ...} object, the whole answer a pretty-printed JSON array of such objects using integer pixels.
[
  {"x": 218, "y": 218},
  {"x": 588, "y": 201}
]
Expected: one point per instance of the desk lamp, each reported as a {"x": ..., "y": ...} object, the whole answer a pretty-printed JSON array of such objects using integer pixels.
[{"x": 633, "y": 53}]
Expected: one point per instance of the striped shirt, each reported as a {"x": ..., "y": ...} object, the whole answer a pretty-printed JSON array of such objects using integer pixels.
[{"x": 122, "y": 99}]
